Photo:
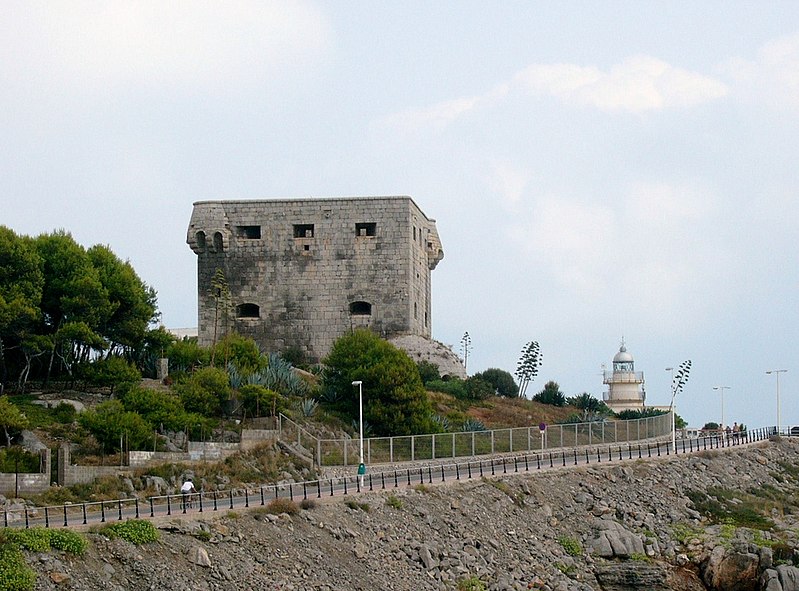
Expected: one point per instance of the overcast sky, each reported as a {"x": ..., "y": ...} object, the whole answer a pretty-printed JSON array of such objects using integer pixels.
[{"x": 597, "y": 170}]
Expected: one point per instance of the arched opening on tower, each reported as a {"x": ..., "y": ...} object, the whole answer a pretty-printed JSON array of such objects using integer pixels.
[
  {"x": 219, "y": 243},
  {"x": 360, "y": 308},
  {"x": 248, "y": 311},
  {"x": 199, "y": 238}
]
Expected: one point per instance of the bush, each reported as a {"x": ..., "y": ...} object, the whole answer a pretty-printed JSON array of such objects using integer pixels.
[
  {"x": 111, "y": 372},
  {"x": 454, "y": 387},
  {"x": 18, "y": 459},
  {"x": 159, "y": 409},
  {"x": 551, "y": 395},
  {"x": 281, "y": 505},
  {"x": 260, "y": 401},
  {"x": 135, "y": 531},
  {"x": 478, "y": 389},
  {"x": 501, "y": 381},
  {"x": 471, "y": 584},
  {"x": 428, "y": 372},
  {"x": 109, "y": 422},
  {"x": 571, "y": 546},
  {"x": 64, "y": 413},
  {"x": 68, "y": 541},
  {"x": 394, "y": 502},
  {"x": 206, "y": 391},
  {"x": 15, "y": 575}
]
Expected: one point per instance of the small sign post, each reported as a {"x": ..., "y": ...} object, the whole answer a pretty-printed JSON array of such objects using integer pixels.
[{"x": 542, "y": 427}]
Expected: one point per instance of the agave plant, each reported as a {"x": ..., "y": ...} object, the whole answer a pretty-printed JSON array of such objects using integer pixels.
[
  {"x": 472, "y": 425},
  {"x": 308, "y": 407},
  {"x": 236, "y": 379},
  {"x": 442, "y": 422},
  {"x": 279, "y": 376}
]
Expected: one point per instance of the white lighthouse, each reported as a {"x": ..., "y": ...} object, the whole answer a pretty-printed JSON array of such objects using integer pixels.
[{"x": 625, "y": 385}]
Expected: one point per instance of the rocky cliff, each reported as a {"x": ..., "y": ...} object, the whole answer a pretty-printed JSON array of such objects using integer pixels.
[{"x": 721, "y": 520}]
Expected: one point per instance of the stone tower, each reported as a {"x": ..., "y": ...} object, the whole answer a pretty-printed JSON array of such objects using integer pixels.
[
  {"x": 625, "y": 385},
  {"x": 299, "y": 273}
]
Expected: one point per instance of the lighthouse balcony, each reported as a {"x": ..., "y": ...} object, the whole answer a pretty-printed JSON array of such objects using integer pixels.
[{"x": 623, "y": 377}]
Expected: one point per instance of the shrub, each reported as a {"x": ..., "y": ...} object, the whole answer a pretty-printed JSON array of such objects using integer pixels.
[
  {"x": 307, "y": 504},
  {"x": 572, "y": 546},
  {"x": 68, "y": 541},
  {"x": 205, "y": 391},
  {"x": 428, "y": 372},
  {"x": 159, "y": 409},
  {"x": 112, "y": 372},
  {"x": 36, "y": 539},
  {"x": 64, "y": 413},
  {"x": 260, "y": 401},
  {"x": 471, "y": 584},
  {"x": 281, "y": 505},
  {"x": 135, "y": 531},
  {"x": 356, "y": 506},
  {"x": 394, "y": 502},
  {"x": 478, "y": 389},
  {"x": 501, "y": 381},
  {"x": 15, "y": 575},
  {"x": 551, "y": 395},
  {"x": 454, "y": 387},
  {"x": 109, "y": 421}
]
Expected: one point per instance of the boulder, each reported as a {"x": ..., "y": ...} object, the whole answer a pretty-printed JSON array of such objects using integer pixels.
[
  {"x": 199, "y": 556},
  {"x": 789, "y": 577},
  {"x": 613, "y": 540},
  {"x": 731, "y": 570}
]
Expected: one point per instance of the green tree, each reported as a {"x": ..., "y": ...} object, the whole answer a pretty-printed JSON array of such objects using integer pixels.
[
  {"x": 112, "y": 426},
  {"x": 72, "y": 295},
  {"x": 112, "y": 372},
  {"x": 162, "y": 410},
  {"x": 591, "y": 407},
  {"x": 551, "y": 395},
  {"x": 395, "y": 401},
  {"x": 501, "y": 381},
  {"x": 260, "y": 401},
  {"x": 206, "y": 391},
  {"x": 242, "y": 352},
  {"x": 478, "y": 388},
  {"x": 130, "y": 304},
  {"x": 21, "y": 283},
  {"x": 11, "y": 419},
  {"x": 186, "y": 355}
]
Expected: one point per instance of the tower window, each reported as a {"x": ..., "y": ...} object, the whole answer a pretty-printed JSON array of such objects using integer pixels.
[
  {"x": 248, "y": 311},
  {"x": 361, "y": 308},
  {"x": 303, "y": 230},
  {"x": 219, "y": 243},
  {"x": 249, "y": 232},
  {"x": 366, "y": 229},
  {"x": 200, "y": 238}
]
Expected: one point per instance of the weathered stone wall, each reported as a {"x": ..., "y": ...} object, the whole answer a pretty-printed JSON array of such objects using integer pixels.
[
  {"x": 27, "y": 483},
  {"x": 301, "y": 273}
]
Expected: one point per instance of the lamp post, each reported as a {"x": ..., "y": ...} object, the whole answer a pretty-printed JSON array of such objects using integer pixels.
[
  {"x": 361, "y": 466},
  {"x": 671, "y": 408},
  {"x": 721, "y": 389},
  {"x": 778, "y": 372}
]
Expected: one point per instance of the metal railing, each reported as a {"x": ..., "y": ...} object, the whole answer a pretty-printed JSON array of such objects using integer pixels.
[
  {"x": 94, "y": 513},
  {"x": 435, "y": 446}
]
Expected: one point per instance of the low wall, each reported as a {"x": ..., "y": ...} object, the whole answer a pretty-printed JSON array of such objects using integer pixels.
[{"x": 26, "y": 482}]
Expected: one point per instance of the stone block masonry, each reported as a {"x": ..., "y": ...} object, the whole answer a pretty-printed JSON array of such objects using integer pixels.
[{"x": 302, "y": 273}]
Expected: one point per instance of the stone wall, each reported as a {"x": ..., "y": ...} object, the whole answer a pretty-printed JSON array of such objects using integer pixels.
[
  {"x": 301, "y": 273},
  {"x": 27, "y": 483}
]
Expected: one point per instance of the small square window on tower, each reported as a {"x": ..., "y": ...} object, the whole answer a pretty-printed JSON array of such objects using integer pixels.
[
  {"x": 303, "y": 230},
  {"x": 366, "y": 229}
]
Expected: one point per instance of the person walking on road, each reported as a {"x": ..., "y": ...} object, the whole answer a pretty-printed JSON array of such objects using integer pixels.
[{"x": 187, "y": 490}]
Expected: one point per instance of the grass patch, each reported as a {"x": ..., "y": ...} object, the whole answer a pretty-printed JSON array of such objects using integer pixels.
[
  {"x": 516, "y": 497},
  {"x": 394, "y": 502},
  {"x": 135, "y": 531},
  {"x": 684, "y": 533},
  {"x": 307, "y": 504},
  {"x": 15, "y": 574},
  {"x": 471, "y": 584},
  {"x": 731, "y": 507},
  {"x": 356, "y": 506},
  {"x": 571, "y": 546}
]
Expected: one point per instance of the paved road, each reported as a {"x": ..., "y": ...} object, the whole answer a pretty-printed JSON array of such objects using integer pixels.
[{"x": 86, "y": 514}]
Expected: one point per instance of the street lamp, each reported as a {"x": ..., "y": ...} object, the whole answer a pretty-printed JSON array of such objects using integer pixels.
[
  {"x": 671, "y": 408},
  {"x": 361, "y": 466},
  {"x": 722, "y": 388},
  {"x": 778, "y": 372}
]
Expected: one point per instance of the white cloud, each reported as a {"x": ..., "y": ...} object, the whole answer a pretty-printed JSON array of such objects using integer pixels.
[
  {"x": 508, "y": 182},
  {"x": 638, "y": 84},
  {"x": 772, "y": 77},
  {"x": 158, "y": 42}
]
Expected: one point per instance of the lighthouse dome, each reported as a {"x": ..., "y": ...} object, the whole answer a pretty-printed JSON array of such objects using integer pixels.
[{"x": 623, "y": 356}]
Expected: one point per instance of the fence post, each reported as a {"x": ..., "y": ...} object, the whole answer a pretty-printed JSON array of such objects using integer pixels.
[
  {"x": 413, "y": 451},
  {"x": 434, "y": 447}
]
